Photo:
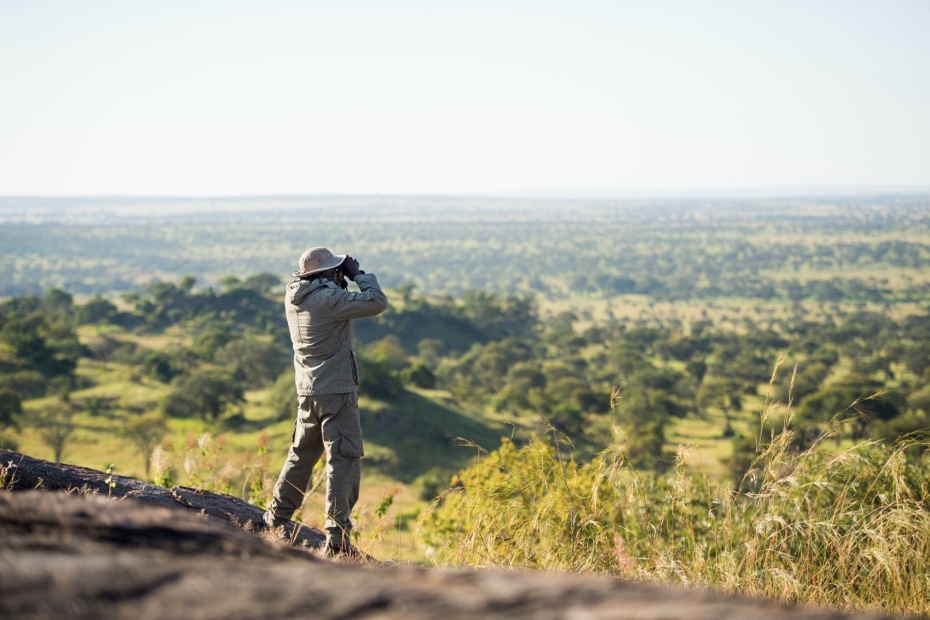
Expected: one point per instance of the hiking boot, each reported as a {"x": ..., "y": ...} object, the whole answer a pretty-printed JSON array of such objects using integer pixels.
[
  {"x": 337, "y": 544},
  {"x": 346, "y": 550},
  {"x": 271, "y": 522}
]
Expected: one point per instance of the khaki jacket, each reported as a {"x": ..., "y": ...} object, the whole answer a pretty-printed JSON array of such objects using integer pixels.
[{"x": 319, "y": 316}]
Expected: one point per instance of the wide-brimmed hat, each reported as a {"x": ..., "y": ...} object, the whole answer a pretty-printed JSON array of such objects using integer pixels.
[{"x": 316, "y": 260}]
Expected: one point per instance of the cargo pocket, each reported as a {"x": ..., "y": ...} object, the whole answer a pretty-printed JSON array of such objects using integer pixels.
[{"x": 350, "y": 443}]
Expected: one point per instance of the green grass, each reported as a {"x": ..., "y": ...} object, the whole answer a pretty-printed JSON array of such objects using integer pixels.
[{"x": 422, "y": 431}]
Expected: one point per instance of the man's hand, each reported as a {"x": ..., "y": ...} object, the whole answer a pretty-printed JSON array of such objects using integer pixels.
[{"x": 350, "y": 268}]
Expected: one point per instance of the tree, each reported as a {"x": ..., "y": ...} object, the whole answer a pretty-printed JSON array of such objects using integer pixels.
[
  {"x": 419, "y": 375},
  {"x": 498, "y": 318},
  {"x": 255, "y": 362},
  {"x": 41, "y": 341},
  {"x": 212, "y": 338},
  {"x": 406, "y": 291},
  {"x": 919, "y": 401},
  {"x": 430, "y": 350},
  {"x": 856, "y": 397},
  {"x": 723, "y": 394},
  {"x": 95, "y": 312},
  {"x": 145, "y": 432},
  {"x": 624, "y": 359},
  {"x": 203, "y": 393},
  {"x": 378, "y": 379},
  {"x": 262, "y": 282},
  {"x": 57, "y": 302},
  {"x": 55, "y": 425},
  {"x": 644, "y": 414},
  {"x": 11, "y": 406},
  {"x": 282, "y": 398},
  {"x": 388, "y": 350},
  {"x": 160, "y": 366},
  {"x": 482, "y": 371},
  {"x": 523, "y": 389}
]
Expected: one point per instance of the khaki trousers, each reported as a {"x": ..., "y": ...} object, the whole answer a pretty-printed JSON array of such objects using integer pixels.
[{"x": 325, "y": 425}]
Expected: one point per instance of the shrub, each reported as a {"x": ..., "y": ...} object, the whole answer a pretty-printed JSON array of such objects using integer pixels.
[
  {"x": 378, "y": 380},
  {"x": 419, "y": 375},
  {"x": 204, "y": 393},
  {"x": 431, "y": 484},
  {"x": 255, "y": 362},
  {"x": 11, "y": 407},
  {"x": 282, "y": 398}
]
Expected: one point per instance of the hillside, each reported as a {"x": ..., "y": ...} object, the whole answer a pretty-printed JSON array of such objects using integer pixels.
[
  {"x": 693, "y": 352},
  {"x": 87, "y": 556}
]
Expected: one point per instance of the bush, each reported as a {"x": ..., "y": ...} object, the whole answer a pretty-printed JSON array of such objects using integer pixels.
[
  {"x": 255, "y": 362},
  {"x": 378, "y": 380},
  {"x": 420, "y": 376},
  {"x": 160, "y": 366},
  {"x": 96, "y": 311},
  {"x": 11, "y": 407},
  {"x": 203, "y": 393},
  {"x": 282, "y": 397},
  {"x": 433, "y": 483}
]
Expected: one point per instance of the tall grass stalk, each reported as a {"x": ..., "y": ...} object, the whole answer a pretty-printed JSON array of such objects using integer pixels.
[{"x": 848, "y": 529}]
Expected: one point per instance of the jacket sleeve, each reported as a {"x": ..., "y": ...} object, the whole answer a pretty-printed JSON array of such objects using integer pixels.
[{"x": 369, "y": 301}]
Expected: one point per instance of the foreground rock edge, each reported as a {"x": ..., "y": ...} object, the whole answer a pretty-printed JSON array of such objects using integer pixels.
[{"x": 25, "y": 472}]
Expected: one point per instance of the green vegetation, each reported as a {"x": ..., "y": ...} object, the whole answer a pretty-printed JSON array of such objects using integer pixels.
[
  {"x": 848, "y": 529},
  {"x": 847, "y": 249},
  {"x": 649, "y": 336}
]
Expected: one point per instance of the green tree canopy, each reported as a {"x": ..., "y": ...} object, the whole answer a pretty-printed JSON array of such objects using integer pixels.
[
  {"x": 11, "y": 406},
  {"x": 254, "y": 361},
  {"x": 205, "y": 393}
]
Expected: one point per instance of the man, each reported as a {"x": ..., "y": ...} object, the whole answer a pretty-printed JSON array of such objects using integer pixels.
[{"x": 319, "y": 313}]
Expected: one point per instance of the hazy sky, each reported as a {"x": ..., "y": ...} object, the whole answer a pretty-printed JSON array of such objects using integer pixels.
[{"x": 504, "y": 97}]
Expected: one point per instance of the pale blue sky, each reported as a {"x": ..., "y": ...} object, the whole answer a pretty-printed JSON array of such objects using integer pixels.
[{"x": 403, "y": 97}]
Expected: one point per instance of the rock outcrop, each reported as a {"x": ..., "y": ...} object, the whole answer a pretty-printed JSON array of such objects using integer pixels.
[
  {"x": 136, "y": 552},
  {"x": 25, "y": 472}
]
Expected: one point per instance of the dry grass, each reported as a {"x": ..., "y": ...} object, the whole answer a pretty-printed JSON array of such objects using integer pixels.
[{"x": 847, "y": 529}]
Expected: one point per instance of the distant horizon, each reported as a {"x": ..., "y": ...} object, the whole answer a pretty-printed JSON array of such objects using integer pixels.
[{"x": 786, "y": 191}]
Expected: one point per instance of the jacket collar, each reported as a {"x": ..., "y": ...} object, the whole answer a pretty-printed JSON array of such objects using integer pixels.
[{"x": 298, "y": 290}]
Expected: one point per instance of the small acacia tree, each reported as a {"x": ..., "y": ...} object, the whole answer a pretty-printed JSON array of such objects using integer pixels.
[
  {"x": 145, "y": 432},
  {"x": 721, "y": 393},
  {"x": 55, "y": 425}
]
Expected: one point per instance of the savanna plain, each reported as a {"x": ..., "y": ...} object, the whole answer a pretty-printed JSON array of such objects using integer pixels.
[{"x": 731, "y": 394}]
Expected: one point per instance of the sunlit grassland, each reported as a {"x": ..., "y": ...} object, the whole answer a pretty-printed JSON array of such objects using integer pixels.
[
  {"x": 704, "y": 447},
  {"x": 403, "y": 439},
  {"x": 234, "y": 460}
]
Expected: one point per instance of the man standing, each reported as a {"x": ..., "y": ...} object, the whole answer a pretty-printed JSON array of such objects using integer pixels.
[{"x": 319, "y": 313}]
